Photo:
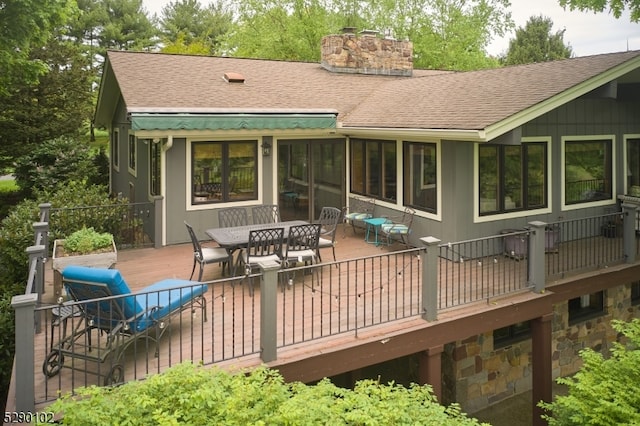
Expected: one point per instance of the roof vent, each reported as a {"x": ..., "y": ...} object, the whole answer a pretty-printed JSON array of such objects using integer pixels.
[{"x": 233, "y": 77}]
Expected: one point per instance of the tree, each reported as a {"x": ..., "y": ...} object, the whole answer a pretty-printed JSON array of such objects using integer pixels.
[
  {"x": 604, "y": 391},
  {"x": 186, "y": 26},
  {"x": 446, "y": 34},
  {"x": 128, "y": 27},
  {"x": 536, "y": 43},
  {"x": 24, "y": 25},
  {"x": 615, "y": 6}
]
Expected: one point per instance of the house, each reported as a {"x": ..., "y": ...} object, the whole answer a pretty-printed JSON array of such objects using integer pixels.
[{"x": 474, "y": 153}]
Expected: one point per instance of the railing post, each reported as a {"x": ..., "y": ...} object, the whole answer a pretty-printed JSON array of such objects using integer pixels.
[
  {"x": 157, "y": 221},
  {"x": 429, "y": 260},
  {"x": 35, "y": 281},
  {"x": 24, "y": 375},
  {"x": 536, "y": 252},
  {"x": 42, "y": 228},
  {"x": 44, "y": 211},
  {"x": 268, "y": 310},
  {"x": 629, "y": 232}
]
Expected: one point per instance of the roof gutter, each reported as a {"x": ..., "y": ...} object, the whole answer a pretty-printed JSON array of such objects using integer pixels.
[
  {"x": 170, "y": 110},
  {"x": 415, "y": 134}
]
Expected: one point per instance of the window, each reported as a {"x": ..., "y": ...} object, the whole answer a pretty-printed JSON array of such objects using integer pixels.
[
  {"x": 115, "y": 152},
  {"x": 155, "y": 149},
  {"x": 373, "y": 168},
  {"x": 133, "y": 154},
  {"x": 512, "y": 177},
  {"x": 586, "y": 307},
  {"x": 633, "y": 167},
  {"x": 506, "y": 336},
  {"x": 635, "y": 293},
  {"x": 224, "y": 171},
  {"x": 587, "y": 171},
  {"x": 420, "y": 176}
]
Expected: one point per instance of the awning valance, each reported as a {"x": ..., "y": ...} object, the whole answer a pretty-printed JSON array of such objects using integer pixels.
[{"x": 146, "y": 121}]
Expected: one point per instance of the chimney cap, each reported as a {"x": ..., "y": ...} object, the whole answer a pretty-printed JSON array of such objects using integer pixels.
[{"x": 233, "y": 77}]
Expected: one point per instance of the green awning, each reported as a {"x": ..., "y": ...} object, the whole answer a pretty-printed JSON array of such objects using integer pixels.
[{"x": 148, "y": 121}]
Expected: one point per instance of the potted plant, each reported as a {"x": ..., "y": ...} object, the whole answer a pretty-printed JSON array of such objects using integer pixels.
[{"x": 85, "y": 247}]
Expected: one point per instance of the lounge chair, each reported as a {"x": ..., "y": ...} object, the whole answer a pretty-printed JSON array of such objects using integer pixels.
[{"x": 109, "y": 306}]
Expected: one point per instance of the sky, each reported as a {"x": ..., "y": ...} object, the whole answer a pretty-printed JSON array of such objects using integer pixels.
[{"x": 587, "y": 33}]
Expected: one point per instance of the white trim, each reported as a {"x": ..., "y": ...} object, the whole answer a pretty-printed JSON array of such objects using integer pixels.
[
  {"x": 422, "y": 213},
  {"x": 625, "y": 163},
  {"x": 213, "y": 206},
  {"x": 520, "y": 213},
  {"x": 578, "y": 138}
]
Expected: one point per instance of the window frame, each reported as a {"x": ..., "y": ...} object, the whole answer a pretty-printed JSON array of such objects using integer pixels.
[
  {"x": 611, "y": 139},
  {"x": 525, "y": 210},
  {"x": 387, "y": 179},
  {"x": 224, "y": 159},
  {"x": 132, "y": 154},
  {"x": 155, "y": 166},
  {"x": 408, "y": 184},
  {"x": 514, "y": 333},
  {"x": 595, "y": 308},
  {"x": 115, "y": 148}
]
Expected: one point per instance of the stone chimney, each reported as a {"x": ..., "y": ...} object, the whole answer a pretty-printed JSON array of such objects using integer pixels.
[{"x": 366, "y": 54}]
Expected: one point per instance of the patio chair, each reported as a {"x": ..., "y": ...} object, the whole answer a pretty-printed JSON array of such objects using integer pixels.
[
  {"x": 207, "y": 255},
  {"x": 359, "y": 209},
  {"x": 264, "y": 245},
  {"x": 108, "y": 305},
  {"x": 269, "y": 213},
  {"x": 328, "y": 220},
  {"x": 232, "y": 216},
  {"x": 302, "y": 246},
  {"x": 399, "y": 226}
]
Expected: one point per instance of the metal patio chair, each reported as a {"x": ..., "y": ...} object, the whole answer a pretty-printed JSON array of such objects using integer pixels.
[
  {"x": 207, "y": 255},
  {"x": 399, "y": 226},
  {"x": 302, "y": 246},
  {"x": 359, "y": 209},
  {"x": 264, "y": 245},
  {"x": 232, "y": 216},
  {"x": 329, "y": 219},
  {"x": 269, "y": 213}
]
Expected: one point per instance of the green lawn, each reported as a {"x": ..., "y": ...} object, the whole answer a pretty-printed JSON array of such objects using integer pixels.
[{"x": 8, "y": 185}]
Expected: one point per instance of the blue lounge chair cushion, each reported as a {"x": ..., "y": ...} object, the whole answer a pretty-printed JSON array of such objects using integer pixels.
[
  {"x": 394, "y": 228},
  {"x": 165, "y": 296}
]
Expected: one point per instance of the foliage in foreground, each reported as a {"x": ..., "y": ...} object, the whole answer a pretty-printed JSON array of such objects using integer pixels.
[
  {"x": 604, "y": 391},
  {"x": 188, "y": 394}
]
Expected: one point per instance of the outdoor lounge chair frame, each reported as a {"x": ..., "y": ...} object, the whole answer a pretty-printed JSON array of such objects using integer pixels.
[{"x": 106, "y": 312}]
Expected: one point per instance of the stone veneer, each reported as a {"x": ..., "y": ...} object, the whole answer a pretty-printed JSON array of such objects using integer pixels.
[
  {"x": 367, "y": 54},
  {"x": 477, "y": 376}
]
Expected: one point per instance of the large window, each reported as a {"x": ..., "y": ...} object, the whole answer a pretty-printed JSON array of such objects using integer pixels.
[
  {"x": 133, "y": 154},
  {"x": 512, "y": 177},
  {"x": 587, "y": 171},
  {"x": 420, "y": 176},
  {"x": 115, "y": 151},
  {"x": 224, "y": 171},
  {"x": 373, "y": 168},
  {"x": 633, "y": 167}
]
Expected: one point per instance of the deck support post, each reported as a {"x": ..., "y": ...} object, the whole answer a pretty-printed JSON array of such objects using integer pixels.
[
  {"x": 23, "y": 371},
  {"x": 429, "y": 260},
  {"x": 542, "y": 383},
  {"x": 536, "y": 249},
  {"x": 629, "y": 232},
  {"x": 430, "y": 369},
  {"x": 268, "y": 310}
]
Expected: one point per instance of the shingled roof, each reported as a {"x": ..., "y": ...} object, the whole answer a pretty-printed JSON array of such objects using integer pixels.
[{"x": 478, "y": 100}]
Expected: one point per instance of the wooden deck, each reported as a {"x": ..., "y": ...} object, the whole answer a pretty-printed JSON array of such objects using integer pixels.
[{"x": 335, "y": 305}]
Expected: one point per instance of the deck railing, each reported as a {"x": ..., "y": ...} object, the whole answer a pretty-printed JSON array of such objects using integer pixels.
[{"x": 303, "y": 304}]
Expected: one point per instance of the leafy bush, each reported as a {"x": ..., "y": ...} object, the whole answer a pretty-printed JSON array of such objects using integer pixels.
[
  {"x": 604, "y": 391},
  {"x": 54, "y": 163},
  {"x": 16, "y": 232},
  {"x": 186, "y": 394},
  {"x": 7, "y": 339},
  {"x": 87, "y": 240}
]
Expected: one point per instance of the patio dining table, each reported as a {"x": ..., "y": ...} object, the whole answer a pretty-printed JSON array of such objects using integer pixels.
[{"x": 235, "y": 237}]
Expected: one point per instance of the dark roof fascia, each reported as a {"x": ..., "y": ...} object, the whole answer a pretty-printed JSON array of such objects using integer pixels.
[{"x": 106, "y": 106}]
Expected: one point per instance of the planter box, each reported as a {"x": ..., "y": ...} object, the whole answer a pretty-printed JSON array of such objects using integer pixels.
[{"x": 95, "y": 260}]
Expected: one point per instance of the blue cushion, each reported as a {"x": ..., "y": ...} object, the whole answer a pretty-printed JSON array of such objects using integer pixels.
[
  {"x": 394, "y": 228},
  {"x": 166, "y": 295}
]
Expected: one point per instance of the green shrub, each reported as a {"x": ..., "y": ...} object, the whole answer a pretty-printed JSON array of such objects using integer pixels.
[
  {"x": 16, "y": 230},
  {"x": 7, "y": 339},
  {"x": 87, "y": 240},
  {"x": 186, "y": 394}
]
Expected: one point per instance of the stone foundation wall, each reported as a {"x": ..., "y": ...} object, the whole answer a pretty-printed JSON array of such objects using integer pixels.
[
  {"x": 367, "y": 54},
  {"x": 476, "y": 375}
]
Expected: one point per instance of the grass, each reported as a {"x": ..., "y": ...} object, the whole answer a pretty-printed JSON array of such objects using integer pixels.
[{"x": 8, "y": 185}]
